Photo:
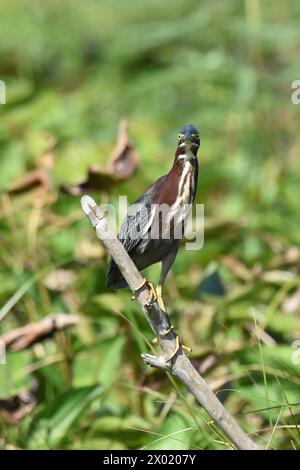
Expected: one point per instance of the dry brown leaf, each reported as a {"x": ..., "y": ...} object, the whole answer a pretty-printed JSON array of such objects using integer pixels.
[
  {"x": 60, "y": 279},
  {"x": 124, "y": 159},
  {"x": 122, "y": 164},
  {"x": 290, "y": 256},
  {"x": 236, "y": 267},
  {"x": 279, "y": 277},
  {"x": 14, "y": 408},
  {"x": 26, "y": 336},
  {"x": 207, "y": 363},
  {"x": 40, "y": 177},
  {"x": 88, "y": 250},
  {"x": 292, "y": 304}
]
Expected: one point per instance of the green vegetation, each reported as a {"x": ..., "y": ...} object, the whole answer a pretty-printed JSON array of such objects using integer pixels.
[{"x": 72, "y": 71}]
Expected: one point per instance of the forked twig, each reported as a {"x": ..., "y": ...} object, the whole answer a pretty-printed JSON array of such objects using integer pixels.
[{"x": 179, "y": 365}]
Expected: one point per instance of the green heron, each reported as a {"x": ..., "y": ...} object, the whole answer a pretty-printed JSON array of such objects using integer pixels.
[{"x": 154, "y": 224}]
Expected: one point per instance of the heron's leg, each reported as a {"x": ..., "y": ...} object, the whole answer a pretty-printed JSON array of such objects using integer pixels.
[
  {"x": 160, "y": 300},
  {"x": 166, "y": 264}
]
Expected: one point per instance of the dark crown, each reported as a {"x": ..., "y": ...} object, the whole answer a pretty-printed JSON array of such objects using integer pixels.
[{"x": 189, "y": 129}]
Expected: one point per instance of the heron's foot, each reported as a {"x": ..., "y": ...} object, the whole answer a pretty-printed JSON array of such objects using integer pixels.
[
  {"x": 177, "y": 345},
  {"x": 165, "y": 333},
  {"x": 155, "y": 295},
  {"x": 176, "y": 349},
  {"x": 186, "y": 349},
  {"x": 151, "y": 289},
  {"x": 133, "y": 298},
  {"x": 152, "y": 292}
]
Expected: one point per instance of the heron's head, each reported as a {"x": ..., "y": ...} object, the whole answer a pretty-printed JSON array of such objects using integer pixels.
[{"x": 188, "y": 138}]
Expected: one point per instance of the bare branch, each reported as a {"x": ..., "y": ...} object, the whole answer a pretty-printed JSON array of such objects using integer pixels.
[{"x": 179, "y": 365}]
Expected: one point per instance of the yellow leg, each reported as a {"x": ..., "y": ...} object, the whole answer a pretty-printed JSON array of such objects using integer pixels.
[
  {"x": 160, "y": 300},
  {"x": 186, "y": 349},
  {"x": 152, "y": 292}
]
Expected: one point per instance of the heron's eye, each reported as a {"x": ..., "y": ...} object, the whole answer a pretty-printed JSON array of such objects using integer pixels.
[
  {"x": 180, "y": 136},
  {"x": 195, "y": 136}
]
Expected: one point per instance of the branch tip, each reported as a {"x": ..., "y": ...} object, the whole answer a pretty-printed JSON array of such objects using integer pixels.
[
  {"x": 87, "y": 203},
  {"x": 91, "y": 209},
  {"x": 155, "y": 361}
]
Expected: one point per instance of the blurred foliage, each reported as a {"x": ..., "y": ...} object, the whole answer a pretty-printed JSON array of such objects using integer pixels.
[{"x": 72, "y": 71}]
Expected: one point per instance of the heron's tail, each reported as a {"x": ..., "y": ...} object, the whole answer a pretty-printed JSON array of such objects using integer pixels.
[{"x": 115, "y": 279}]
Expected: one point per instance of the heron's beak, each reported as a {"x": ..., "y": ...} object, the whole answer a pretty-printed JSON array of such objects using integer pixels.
[{"x": 188, "y": 141}]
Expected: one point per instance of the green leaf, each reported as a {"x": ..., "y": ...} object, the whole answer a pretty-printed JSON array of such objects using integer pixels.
[
  {"x": 58, "y": 417},
  {"x": 174, "y": 434},
  {"x": 112, "y": 356}
]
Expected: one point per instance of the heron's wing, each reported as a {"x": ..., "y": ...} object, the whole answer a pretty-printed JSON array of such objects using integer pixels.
[{"x": 138, "y": 221}]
